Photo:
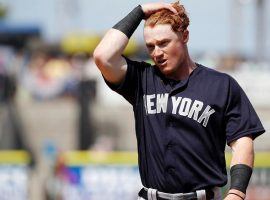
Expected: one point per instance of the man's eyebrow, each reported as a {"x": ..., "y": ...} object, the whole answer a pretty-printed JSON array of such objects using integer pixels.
[
  {"x": 163, "y": 40},
  {"x": 148, "y": 43},
  {"x": 158, "y": 41}
]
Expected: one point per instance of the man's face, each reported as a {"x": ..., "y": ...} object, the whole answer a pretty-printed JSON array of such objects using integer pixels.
[{"x": 166, "y": 47}]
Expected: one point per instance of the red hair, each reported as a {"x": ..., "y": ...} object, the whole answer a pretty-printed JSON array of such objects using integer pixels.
[{"x": 179, "y": 22}]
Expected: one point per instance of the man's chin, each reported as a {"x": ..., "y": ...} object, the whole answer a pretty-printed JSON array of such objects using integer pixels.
[{"x": 166, "y": 71}]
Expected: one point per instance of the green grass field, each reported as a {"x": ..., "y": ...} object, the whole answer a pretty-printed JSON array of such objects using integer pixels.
[{"x": 262, "y": 159}]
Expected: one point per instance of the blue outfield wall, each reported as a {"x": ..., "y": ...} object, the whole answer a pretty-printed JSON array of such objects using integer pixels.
[{"x": 80, "y": 175}]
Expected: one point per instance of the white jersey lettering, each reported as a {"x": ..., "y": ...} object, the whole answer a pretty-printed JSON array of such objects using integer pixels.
[
  {"x": 184, "y": 107},
  {"x": 145, "y": 104},
  {"x": 150, "y": 104},
  {"x": 162, "y": 101},
  {"x": 195, "y": 109},
  {"x": 205, "y": 115},
  {"x": 175, "y": 103}
]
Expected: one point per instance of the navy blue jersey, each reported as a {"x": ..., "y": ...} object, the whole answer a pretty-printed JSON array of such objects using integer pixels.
[{"x": 182, "y": 126}]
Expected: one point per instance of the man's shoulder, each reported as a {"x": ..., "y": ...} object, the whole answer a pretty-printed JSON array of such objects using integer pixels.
[
  {"x": 141, "y": 68},
  {"x": 135, "y": 62},
  {"x": 214, "y": 73}
]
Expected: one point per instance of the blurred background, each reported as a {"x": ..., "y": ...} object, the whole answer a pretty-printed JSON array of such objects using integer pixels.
[{"x": 64, "y": 134}]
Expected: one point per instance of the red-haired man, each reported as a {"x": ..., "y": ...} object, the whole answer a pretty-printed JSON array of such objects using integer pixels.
[{"x": 185, "y": 113}]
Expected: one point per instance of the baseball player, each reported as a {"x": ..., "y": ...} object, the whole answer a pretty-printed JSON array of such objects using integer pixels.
[{"x": 185, "y": 113}]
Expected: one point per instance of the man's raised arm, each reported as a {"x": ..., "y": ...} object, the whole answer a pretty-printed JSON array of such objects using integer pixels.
[
  {"x": 108, "y": 57},
  {"x": 108, "y": 53}
]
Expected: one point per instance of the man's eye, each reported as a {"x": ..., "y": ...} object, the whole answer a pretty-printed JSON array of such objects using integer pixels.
[
  {"x": 163, "y": 44},
  {"x": 150, "y": 47}
]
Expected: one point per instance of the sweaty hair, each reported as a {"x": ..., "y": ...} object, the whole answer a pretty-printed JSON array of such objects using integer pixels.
[{"x": 179, "y": 22}]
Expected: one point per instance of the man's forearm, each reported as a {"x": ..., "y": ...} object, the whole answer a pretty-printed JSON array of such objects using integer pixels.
[
  {"x": 241, "y": 166},
  {"x": 111, "y": 46},
  {"x": 243, "y": 152},
  {"x": 130, "y": 23},
  {"x": 116, "y": 39},
  {"x": 108, "y": 53}
]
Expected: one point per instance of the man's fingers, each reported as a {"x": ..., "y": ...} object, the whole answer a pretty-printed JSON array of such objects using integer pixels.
[
  {"x": 155, "y": 7},
  {"x": 171, "y": 8}
]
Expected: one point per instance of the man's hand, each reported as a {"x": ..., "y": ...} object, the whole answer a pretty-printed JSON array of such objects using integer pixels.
[
  {"x": 151, "y": 8},
  {"x": 235, "y": 195}
]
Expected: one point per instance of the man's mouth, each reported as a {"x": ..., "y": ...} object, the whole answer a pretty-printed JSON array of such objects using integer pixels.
[{"x": 161, "y": 62}]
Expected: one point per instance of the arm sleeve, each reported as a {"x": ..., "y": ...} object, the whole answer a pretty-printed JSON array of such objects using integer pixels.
[
  {"x": 240, "y": 116},
  {"x": 132, "y": 81}
]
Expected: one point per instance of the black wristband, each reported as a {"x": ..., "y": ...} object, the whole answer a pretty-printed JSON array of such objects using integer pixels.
[
  {"x": 240, "y": 175},
  {"x": 129, "y": 23}
]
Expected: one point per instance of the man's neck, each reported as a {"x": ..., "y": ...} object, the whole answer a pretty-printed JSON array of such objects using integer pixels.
[{"x": 184, "y": 70}]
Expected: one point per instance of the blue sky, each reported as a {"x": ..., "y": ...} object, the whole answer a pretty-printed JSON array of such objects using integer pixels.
[{"x": 211, "y": 27}]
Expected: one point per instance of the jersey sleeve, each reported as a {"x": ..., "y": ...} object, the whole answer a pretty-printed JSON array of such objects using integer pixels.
[
  {"x": 240, "y": 117},
  {"x": 129, "y": 87}
]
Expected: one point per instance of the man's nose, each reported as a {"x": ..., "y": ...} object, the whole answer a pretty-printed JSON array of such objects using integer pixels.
[{"x": 158, "y": 52}]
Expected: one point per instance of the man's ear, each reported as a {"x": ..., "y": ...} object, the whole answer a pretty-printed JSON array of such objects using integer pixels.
[{"x": 185, "y": 36}]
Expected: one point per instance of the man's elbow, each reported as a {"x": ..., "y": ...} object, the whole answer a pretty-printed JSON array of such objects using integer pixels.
[{"x": 100, "y": 59}]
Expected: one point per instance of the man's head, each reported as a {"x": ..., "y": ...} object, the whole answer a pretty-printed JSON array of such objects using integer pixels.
[
  {"x": 179, "y": 22},
  {"x": 166, "y": 38}
]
